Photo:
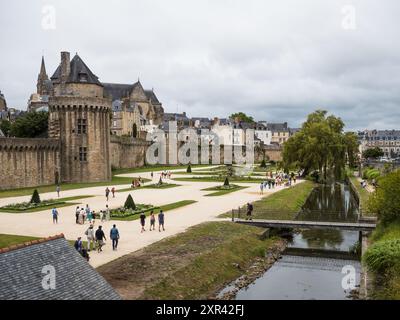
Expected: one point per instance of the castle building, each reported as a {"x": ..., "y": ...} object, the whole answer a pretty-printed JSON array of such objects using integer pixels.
[
  {"x": 79, "y": 116},
  {"x": 132, "y": 104}
]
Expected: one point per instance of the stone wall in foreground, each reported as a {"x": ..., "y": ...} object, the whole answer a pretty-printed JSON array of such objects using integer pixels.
[{"x": 28, "y": 162}]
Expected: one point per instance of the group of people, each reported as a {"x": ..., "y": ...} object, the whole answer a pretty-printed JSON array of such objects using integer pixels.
[
  {"x": 96, "y": 240},
  {"x": 164, "y": 174},
  {"x": 113, "y": 190},
  {"x": 137, "y": 183},
  {"x": 86, "y": 214},
  {"x": 152, "y": 221}
]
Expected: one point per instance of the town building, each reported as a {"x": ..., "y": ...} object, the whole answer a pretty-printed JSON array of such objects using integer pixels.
[
  {"x": 44, "y": 88},
  {"x": 280, "y": 132},
  {"x": 387, "y": 140}
]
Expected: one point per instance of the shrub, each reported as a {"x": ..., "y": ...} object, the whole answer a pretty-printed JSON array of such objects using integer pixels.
[
  {"x": 129, "y": 203},
  {"x": 382, "y": 255},
  {"x": 189, "y": 169},
  {"x": 226, "y": 182},
  {"x": 263, "y": 164},
  {"x": 35, "y": 197}
]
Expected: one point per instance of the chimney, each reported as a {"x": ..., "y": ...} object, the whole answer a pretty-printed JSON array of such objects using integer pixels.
[{"x": 65, "y": 66}]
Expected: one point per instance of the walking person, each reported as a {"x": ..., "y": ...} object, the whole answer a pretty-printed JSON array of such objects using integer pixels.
[
  {"x": 152, "y": 221},
  {"x": 103, "y": 215},
  {"x": 100, "y": 238},
  {"x": 113, "y": 191},
  {"x": 90, "y": 238},
  {"x": 261, "y": 188},
  {"x": 107, "y": 193},
  {"x": 114, "y": 236},
  {"x": 78, "y": 245},
  {"x": 249, "y": 211},
  {"x": 142, "y": 221},
  {"x": 58, "y": 189},
  {"x": 82, "y": 216},
  {"x": 161, "y": 221},
  {"x": 77, "y": 211},
  {"x": 152, "y": 175},
  {"x": 54, "y": 213},
  {"x": 88, "y": 213},
  {"x": 108, "y": 214}
]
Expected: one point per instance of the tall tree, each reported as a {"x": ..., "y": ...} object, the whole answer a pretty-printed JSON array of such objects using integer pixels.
[
  {"x": 320, "y": 145},
  {"x": 241, "y": 116},
  {"x": 30, "y": 125}
]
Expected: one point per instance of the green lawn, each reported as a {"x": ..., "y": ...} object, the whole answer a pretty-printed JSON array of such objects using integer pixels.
[
  {"x": 157, "y": 168},
  {"x": 67, "y": 186},
  {"x": 194, "y": 264},
  {"x": 281, "y": 205},
  {"x": 219, "y": 191},
  {"x": 164, "y": 208}
]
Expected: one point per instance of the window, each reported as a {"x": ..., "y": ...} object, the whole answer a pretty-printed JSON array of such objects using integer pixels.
[
  {"x": 81, "y": 126},
  {"x": 82, "y": 154},
  {"x": 115, "y": 123}
]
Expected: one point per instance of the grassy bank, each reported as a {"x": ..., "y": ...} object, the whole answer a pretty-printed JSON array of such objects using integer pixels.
[
  {"x": 363, "y": 195},
  {"x": 383, "y": 254},
  {"x": 191, "y": 265},
  {"x": 157, "y": 168},
  {"x": 221, "y": 179},
  {"x": 165, "y": 208},
  {"x": 220, "y": 191},
  {"x": 281, "y": 205},
  {"x": 151, "y": 186}
]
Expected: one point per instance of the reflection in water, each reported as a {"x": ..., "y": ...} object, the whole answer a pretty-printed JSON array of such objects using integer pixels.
[{"x": 306, "y": 277}]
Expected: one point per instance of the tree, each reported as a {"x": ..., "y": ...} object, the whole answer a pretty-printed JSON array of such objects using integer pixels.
[
  {"x": 30, "y": 125},
  {"x": 134, "y": 130},
  {"x": 319, "y": 145},
  {"x": 189, "y": 169},
  {"x": 385, "y": 202},
  {"x": 373, "y": 153},
  {"x": 5, "y": 126},
  {"x": 263, "y": 164},
  {"x": 129, "y": 203},
  {"x": 351, "y": 143},
  {"x": 35, "y": 197},
  {"x": 241, "y": 116}
]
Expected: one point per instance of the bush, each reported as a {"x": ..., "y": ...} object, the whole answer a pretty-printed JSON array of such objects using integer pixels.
[
  {"x": 382, "y": 255},
  {"x": 226, "y": 182},
  {"x": 263, "y": 164},
  {"x": 35, "y": 197},
  {"x": 189, "y": 169},
  {"x": 129, "y": 203},
  {"x": 385, "y": 202}
]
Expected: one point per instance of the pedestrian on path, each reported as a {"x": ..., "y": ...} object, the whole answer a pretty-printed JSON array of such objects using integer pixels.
[
  {"x": 107, "y": 193},
  {"x": 152, "y": 221},
  {"x": 77, "y": 211},
  {"x": 88, "y": 213},
  {"x": 114, "y": 236},
  {"x": 90, "y": 237},
  {"x": 261, "y": 188},
  {"x": 113, "y": 191},
  {"x": 152, "y": 174},
  {"x": 108, "y": 214},
  {"x": 161, "y": 221},
  {"x": 142, "y": 221},
  {"x": 100, "y": 238},
  {"x": 54, "y": 213},
  {"x": 58, "y": 189},
  {"x": 78, "y": 245},
  {"x": 82, "y": 216},
  {"x": 249, "y": 211}
]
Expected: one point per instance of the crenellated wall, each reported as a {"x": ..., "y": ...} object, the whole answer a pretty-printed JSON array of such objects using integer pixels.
[
  {"x": 126, "y": 152},
  {"x": 28, "y": 162}
]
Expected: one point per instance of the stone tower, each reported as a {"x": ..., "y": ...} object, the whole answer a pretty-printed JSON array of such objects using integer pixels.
[{"x": 79, "y": 115}]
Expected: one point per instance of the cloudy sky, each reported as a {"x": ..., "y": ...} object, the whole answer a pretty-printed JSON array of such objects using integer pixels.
[{"x": 275, "y": 60}]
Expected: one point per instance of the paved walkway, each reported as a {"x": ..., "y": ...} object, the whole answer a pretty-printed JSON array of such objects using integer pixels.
[{"x": 176, "y": 221}]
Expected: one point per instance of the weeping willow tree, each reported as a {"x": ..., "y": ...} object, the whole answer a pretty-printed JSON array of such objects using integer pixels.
[{"x": 321, "y": 145}]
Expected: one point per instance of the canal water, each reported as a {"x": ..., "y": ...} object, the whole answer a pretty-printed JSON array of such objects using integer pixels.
[{"x": 315, "y": 263}]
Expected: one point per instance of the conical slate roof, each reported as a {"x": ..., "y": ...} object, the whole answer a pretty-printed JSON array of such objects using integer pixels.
[{"x": 79, "y": 71}]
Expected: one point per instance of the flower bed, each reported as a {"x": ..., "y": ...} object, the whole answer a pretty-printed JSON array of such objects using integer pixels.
[
  {"x": 24, "y": 206},
  {"x": 123, "y": 213}
]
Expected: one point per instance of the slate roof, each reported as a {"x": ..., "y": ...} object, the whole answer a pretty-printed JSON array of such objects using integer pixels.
[
  {"x": 21, "y": 273},
  {"x": 118, "y": 91},
  {"x": 278, "y": 127},
  {"x": 151, "y": 96},
  {"x": 78, "y": 68}
]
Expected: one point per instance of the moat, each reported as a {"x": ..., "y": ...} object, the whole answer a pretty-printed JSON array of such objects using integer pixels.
[{"x": 311, "y": 266}]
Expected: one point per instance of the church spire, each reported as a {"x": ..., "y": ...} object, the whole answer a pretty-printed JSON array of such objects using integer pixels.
[{"x": 42, "y": 78}]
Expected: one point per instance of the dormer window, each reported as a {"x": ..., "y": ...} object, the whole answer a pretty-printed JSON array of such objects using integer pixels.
[{"x": 83, "y": 77}]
